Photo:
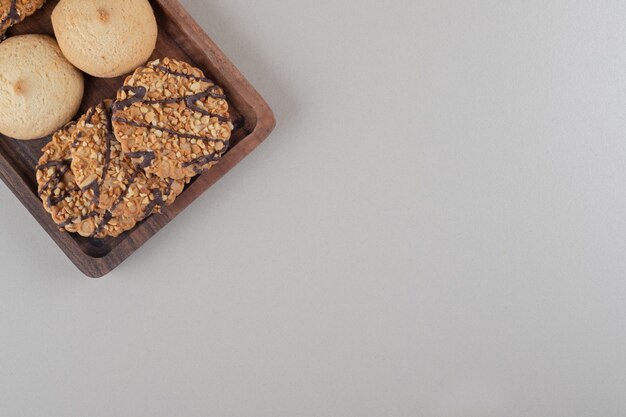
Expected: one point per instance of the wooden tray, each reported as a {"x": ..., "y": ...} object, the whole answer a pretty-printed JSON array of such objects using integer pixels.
[{"x": 180, "y": 37}]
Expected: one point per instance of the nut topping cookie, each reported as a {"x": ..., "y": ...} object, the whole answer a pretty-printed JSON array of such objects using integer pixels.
[
  {"x": 97, "y": 162},
  {"x": 15, "y": 11},
  {"x": 172, "y": 120},
  {"x": 124, "y": 160},
  {"x": 101, "y": 208},
  {"x": 99, "y": 166},
  {"x": 69, "y": 207}
]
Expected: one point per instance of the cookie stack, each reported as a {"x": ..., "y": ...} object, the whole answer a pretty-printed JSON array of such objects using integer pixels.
[{"x": 128, "y": 158}]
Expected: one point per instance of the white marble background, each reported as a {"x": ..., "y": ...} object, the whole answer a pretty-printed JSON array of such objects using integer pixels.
[{"x": 437, "y": 227}]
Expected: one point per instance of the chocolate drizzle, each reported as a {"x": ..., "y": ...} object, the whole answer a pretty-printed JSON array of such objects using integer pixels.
[
  {"x": 106, "y": 218},
  {"x": 61, "y": 168},
  {"x": 95, "y": 188},
  {"x": 147, "y": 157},
  {"x": 109, "y": 138},
  {"x": 157, "y": 200},
  {"x": 52, "y": 164},
  {"x": 10, "y": 19},
  {"x": 79, "y": 135},
  {"x": 140, "y": 93},
  {"x": 81, "y": 218},
  {"x": 201, "y": 161},
  {"x": 168, "y": 189},
  {"x": 170, "y": 131},
  {"x": 108, "y": 215},
  {"x": 96, "y": 184}
]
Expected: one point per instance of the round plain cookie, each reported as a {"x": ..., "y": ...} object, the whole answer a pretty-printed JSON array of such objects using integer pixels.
[
  {"x": 13, "y": 12},
  {"x": 105, "y": 38},
  {"x": 172, "y": 119},
  {"x": 40, "y": 90}
]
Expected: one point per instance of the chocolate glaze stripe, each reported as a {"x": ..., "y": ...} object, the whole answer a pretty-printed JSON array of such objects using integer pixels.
[
  {"x": 96, "y": 185},
  {"x": 105, "y": 221},
  {"x": 160, "y": 199},
  {"x": 190, "y": 101},
  {"x": 170, "y": 131},
  {"x": 198, "y": 163},
  {"x": 95, "y": 188},
  {"x": 109, "y": 138},
  {"x": 203, "y": 160},
  {"x": 53, "y": 184},
  {"x": 53, "y": 201},
  {"x": 53, "y": 164},
  {"x": 71, "y": 220},
  {"x": 157, "y": 200},
  {"x": 11, "y": 18},
  {"x": 139, "y": 93},
  {"x": 61, "y": 167},
  {"x": 59, "y": 172},
  {"x": 79, "y": 135},
  {"x": 147, "y": 158},
  {"x": 108, "y": 215},
  {"x": 76, "y": 142},
  {"x": 168, "y": 189},
  {"x": 139, "y": 96}
]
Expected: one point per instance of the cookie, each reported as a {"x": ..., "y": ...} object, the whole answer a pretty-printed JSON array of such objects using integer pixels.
[
  {"x": 99, "y": 166},
  {"x": 105, "y": 38},
  {"x": 40, "y": 90},
  {"x": 69, "y": 207},
  {"x": 82, "y": 210},
  {"x": 13, "y": 12},
  {"x": 171, "y": 119}
]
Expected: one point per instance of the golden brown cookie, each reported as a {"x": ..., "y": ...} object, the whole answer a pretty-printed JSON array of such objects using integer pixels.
[
  {"x": 97, "y": 162},
  {"x": 82, "y": 210},
  {"x": 13, "y": 12},
  {"x": 70, "y": 208},
  {"x": 105, "y": 38},
  {"x": 39, "y": 90},
  {"x": 100, "y": 168},
  {"x": 99, "y": 165},
  {"x": 171, "y": 119}
]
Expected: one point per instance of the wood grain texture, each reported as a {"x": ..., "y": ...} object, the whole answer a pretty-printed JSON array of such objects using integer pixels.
[{"x": 180, "y": 37}]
